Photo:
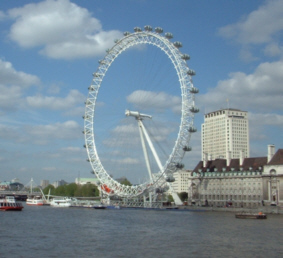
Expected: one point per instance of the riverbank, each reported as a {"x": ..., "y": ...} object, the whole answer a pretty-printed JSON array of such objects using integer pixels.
[{"x": 263, "y": 209}]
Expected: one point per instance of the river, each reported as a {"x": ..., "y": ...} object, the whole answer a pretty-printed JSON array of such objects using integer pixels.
[{"x": 81, "y": 232}]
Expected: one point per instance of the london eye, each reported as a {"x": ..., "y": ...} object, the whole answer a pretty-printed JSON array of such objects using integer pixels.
[{"x": 131, "y": 111}]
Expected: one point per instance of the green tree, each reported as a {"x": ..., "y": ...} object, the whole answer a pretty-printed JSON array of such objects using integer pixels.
[
  {"x": 46, "y": 189},
  {"x": 170, "y": 198},
  {"x": 125, "y": 181},
  {"x": 60, "y": 190},
  {"x": 183, "y": 196},
  {"x": 89, "y": 190},
  {"x": 71, "y": 189}
]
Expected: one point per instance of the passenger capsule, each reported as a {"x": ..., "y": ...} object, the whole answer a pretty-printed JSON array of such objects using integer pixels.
[
  {"x": 177, "y": 44},
  {"x": 168, "y": 35},
  {"x": 192, "y": 129},
  {"x": 147, "y": 28},
  {"x": 91, "y": 88},
  {"x": 194, "y": 90},
  {"x": 116, "y": 40},
  {"x": 96, "y": 74},
  {"x": 101, "y": 62},
  {"x": 186, "y": 57},
  {"x": 191, "y": 72},
  {"x": 127, "y": 33},
  {"x": 187, "y": 148},
  {"x": 137, "y": 29},
  {"x": 194, "y": 109},
  {"x": 180, "y": 165},
  {"x": 170, "y": 179},
  {"x": 158, "y": 30}
]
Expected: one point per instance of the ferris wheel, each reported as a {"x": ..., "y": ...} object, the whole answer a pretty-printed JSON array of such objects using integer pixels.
[{"x": 163, "y": 174}]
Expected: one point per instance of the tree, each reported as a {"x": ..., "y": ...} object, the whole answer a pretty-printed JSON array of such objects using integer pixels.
[
  {"x": 73, "y": 190},
  {"x": 125, "y": 181},
  {"x": 46, "y": 189},
  {"x": 70, "y": 189},
  {"x": 183, "y": 196},
  {"x": 170, "y": 198},
  {"x": 89, "y": 190}
]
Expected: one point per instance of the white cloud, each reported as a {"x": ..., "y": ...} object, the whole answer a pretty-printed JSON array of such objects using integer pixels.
[
  {"x": 62, "y": 28},
  {"x": 71, "y": 149},
  {"x": 12, "y": 86},
  {"x": 269, "y": 119},
  {"x": 8, "y": 132},
  {"x": 49, "y": 169},
  {"x": 128, "y": 161},
  {"x": 259, "y": 91},
  {"x": 273, "y": 49},
  {"x": 259, "y": 27},
  {"x": 7, "y": 94},
  {"x": 43, "y": 134},
  {"x": 9, "y": 76},
  {"x": 56, "y": 103},
  {"x": 2, "y": 15},
  {"x": 155, "y": 100}
]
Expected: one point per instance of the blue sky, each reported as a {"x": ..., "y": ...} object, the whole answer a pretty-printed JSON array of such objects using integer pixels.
[{"x": 49, "y": 50}]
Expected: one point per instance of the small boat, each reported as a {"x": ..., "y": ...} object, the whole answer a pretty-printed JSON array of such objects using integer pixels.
[
  {"x": 35, "y": 200},
  {"x": 8, "y": 203},
  {"x": 259, "y": 215},
  {"x": 62, "y": 202},
  {"x": 99, "y": 207}
]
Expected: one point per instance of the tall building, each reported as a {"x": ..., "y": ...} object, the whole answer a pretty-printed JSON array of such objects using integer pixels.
[
  {"x": 225, "y": 134},
  {"x": 44, "y": 183}
]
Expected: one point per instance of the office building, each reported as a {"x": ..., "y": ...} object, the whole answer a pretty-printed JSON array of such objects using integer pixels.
[{"x": 225, "y": 135}]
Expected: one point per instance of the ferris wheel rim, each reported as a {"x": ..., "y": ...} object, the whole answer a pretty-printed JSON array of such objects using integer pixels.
[{"x": 108, "y": 184}]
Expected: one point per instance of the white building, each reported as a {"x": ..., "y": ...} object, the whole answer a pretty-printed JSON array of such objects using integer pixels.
[
  {"x": 181, "y": 183},
  {"x": 248, "y": 182},
  {"x": 225, "y": 134},
  {"x": 272, "y": 177},
  {"x": 84, "y": 181}
]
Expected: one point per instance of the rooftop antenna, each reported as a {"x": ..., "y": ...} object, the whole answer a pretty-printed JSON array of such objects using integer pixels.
[{"x": 227, "y": 103}]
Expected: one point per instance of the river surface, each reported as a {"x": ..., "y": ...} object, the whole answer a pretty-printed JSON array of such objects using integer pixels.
[{"x": 81, "y": 232}]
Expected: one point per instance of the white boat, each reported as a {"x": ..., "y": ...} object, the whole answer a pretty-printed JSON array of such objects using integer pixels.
[
  {"x": 35, "y": 200},
  {"x": 62, "y": 201}
]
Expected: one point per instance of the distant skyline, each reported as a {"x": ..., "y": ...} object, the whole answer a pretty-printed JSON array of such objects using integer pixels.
[{"x": 49, "y": 50}]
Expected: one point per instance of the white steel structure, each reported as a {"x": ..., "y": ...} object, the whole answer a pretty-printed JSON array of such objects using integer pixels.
[
  {"x": 164, "y": 175},
  {"x": 225, "y": 134}
]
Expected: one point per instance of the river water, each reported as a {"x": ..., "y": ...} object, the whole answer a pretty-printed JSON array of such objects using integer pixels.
[{"x": 81, "y": 232}]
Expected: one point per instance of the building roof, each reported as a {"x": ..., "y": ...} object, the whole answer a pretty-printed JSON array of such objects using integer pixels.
[
  {"x": 255, "y": 163},
  {"x": 228, "y": 109},
  {"x": 277, "y": 159}
]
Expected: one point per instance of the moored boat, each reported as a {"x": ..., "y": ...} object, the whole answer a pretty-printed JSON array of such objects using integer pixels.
[
  {"x": 259, "y": 215},
  {"x": 8, "y": 203},
  {"x": 62, "y": 202},
  {"x": 35, "y": 200}
]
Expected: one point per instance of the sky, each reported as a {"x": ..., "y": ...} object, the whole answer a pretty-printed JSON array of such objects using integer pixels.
[{"x": 49, "y": 50}]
